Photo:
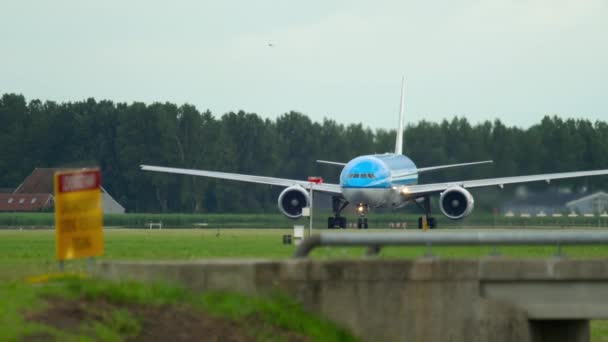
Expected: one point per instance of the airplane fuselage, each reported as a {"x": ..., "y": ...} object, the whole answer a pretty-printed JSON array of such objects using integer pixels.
[{"x": 372, "y": 179}]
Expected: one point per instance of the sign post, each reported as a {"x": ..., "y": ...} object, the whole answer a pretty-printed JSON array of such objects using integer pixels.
[
  {"x": 78, "y": 215},
  {"x": 312, "y": 180},
  {"x": 310, "y": 218}
]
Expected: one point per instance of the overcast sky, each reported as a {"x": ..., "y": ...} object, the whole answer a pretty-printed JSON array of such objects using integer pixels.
[{"x": 515, "y": 60}]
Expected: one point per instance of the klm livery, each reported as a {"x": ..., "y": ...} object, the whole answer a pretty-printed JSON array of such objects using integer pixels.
[{"x": 380, "y": 181}]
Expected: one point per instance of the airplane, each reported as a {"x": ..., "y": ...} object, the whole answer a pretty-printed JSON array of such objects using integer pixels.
[{"x": 388, "y": 180}]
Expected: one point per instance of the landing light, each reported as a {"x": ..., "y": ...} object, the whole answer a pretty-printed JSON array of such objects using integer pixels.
[
  {"x": 405, "y": 190},
  {"x": 360, "y": 208}
]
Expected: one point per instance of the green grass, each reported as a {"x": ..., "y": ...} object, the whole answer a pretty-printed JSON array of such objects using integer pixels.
[
  {"x": 282, "y": 311},
  {"x": 27, "y": 252},
  {"x": 15, "y": 299},
  {"x": 119, "y": 324},
  {"x": 599, "y": 331}
]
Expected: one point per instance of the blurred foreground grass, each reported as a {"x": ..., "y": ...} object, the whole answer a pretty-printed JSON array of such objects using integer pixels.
[{"x": 98, "y": 310}]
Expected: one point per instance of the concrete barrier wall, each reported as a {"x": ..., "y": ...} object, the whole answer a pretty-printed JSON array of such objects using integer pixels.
[{"x": 490, "y": 299}]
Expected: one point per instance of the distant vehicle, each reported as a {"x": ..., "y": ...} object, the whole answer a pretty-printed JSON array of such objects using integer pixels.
[{"x": 387, "y": 180}]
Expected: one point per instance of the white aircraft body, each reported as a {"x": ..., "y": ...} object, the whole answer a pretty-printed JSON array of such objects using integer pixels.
[{"x": 387, "y": 180}]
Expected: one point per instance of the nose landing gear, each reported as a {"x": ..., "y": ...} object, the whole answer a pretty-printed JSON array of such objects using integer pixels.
[
  {"x": 338, "y": 204},
  {"x": 362, "y": 220},
  {"x": 362, "y": 223}
]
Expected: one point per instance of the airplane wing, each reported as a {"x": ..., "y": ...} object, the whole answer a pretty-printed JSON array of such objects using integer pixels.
[
  {"x": 323, "y": 187},
  {"x": 331, "y": 162},
  {"x": 422, "y": 189}
]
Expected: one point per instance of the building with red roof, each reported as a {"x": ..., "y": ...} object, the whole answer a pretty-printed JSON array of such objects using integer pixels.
[
  {"x": 26, "y": 202},
  {"x": 35, "y": 193}
]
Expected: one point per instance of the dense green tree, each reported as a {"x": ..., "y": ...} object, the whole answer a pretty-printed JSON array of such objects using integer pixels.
[
  {"x": 118, "y": 137},
  {"x": 14, "y": 121}
]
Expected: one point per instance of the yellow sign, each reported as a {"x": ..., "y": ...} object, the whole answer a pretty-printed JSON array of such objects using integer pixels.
[{"x": 78, "y": 214}]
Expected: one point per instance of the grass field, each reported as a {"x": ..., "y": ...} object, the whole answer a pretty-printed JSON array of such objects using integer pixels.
[{"x": 30, "y": 252}]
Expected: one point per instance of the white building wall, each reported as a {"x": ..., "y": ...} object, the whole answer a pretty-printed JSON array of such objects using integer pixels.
[
  {"x": 596, "y": 203},
  {"x": 110, "y": 206}
]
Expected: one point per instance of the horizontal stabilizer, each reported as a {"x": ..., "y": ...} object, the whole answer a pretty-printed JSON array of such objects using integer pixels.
[
  {"x": 331, "y": 162},
  {"x": 440, "y": 167},
  {"x": 435, "y": 168}
]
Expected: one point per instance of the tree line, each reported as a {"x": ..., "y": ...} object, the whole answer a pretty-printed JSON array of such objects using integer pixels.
[{"x": 118, "y": 137}]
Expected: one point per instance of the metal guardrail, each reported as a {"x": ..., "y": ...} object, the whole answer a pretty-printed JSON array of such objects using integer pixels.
[{"x": 374, "y": 241}]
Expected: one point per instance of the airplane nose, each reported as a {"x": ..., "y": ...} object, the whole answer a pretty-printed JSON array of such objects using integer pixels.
[{"x": 354, "y": 195}]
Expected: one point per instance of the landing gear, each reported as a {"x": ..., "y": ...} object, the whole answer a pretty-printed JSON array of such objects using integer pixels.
[
  {"x": 333, "y": 222},
  {"x": 338, "y": 204},
  {"x": 430, "y": 221}
]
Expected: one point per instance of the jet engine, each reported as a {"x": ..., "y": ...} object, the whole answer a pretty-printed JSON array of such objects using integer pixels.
[
  {"x": 292, "y": 200},
  {"x": 456, "y": 203}
]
